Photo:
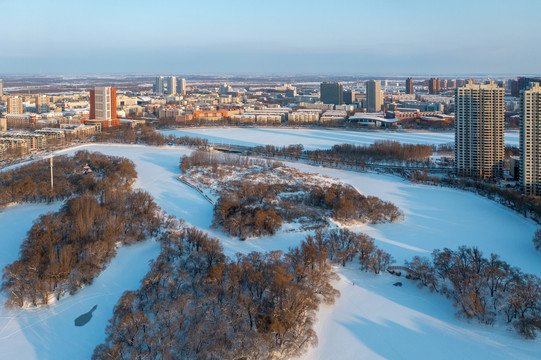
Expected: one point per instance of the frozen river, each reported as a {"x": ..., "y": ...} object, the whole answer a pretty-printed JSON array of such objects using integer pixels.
[{"x": 314, "y": 139}]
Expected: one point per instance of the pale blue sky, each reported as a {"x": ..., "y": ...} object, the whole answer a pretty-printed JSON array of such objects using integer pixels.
[{"x": 271, "y": 37}]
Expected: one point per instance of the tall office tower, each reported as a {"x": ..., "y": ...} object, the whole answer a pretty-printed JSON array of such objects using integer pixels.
[
  {"x": 103, "y": 107},
  {"x": 332, "y": 93},
  {"x": 349, "y": 97},
  {"x": 159, "y": 86},
  {"x": 182, "y": 86},
  {"x": 434, "y": 86},
  {"x": 374, "y": 96},
  {"x": 530, "y": 139},
  {"x": 172, "y": 85},
  {"x": 15, "y": 105},
  {"x": 42, "y": 104},
  {"x": 479, "y": 123},
  {"x": 409, "y": 86},
  {"x": 1, "y": 87}
]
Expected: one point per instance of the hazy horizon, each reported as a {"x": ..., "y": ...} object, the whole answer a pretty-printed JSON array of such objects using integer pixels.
[{"x": 240, "y": 37}]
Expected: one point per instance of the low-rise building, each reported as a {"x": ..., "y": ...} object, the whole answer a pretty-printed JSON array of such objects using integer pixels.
[
  {"x": 21, "y": 121},
  {"x": 15, "y": 146},
  {"x": 333, "y": 115},
  {"x": 372, "y": 120},
  {"x": 305, "y": 115},
  {"x": 35, "y": 141}
]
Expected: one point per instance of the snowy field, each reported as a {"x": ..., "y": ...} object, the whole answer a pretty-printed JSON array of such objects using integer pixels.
[
  {"x": 371, "y": 320},
  {"x": 49, "y": 333},
  {"x": 314, "y": 139}
]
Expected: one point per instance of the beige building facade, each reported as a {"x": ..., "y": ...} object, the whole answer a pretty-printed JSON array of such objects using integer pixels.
[
  {"x": 530, "y": 140},
  {"x": 479, "y": 125}
]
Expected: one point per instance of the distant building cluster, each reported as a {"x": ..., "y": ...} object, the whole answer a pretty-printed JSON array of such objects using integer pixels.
[{"x": 478, "y": 112}]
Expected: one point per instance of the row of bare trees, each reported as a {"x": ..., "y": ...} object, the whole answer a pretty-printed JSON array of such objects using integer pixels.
[
  {"x": 346, "y": 204},
  {"x": 67, "y": 249},
  {"x": 31, "y": 182},
  {"x": 215, "y": 159},
  {"x": 383, "y": 151},
  {"x": 248, "y": 207},
  {"x": 144, "y": 134},
  {"x": 196, "y": 303},
  {"x": 483, "y": 288}
]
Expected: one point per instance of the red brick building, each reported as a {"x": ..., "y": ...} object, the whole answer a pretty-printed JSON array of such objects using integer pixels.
[{"x": 103, "y": 107}]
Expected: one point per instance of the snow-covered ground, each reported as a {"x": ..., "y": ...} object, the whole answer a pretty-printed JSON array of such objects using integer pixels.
[
  {"x": 372, "y": 319},
  {"x": 317, "y": 139},
  {"x": 50, "y": 333}
]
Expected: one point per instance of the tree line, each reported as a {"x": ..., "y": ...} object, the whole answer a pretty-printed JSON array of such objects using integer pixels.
[
  {"x": 483, "y": 288},
  {"x": 354, "y": 156},
  {"x": 248, "y": 207},
  {"x": 144, "y": 134},
  {"x": 67, "y": 249},
  {"x": 32, "y": 183},
  {"x": 196, "y": 303}
]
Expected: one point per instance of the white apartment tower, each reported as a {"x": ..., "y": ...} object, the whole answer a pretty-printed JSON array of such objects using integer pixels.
[
  {"x": 172, "y": 85},
  {"x": 159, "y": 86},
  {"x": 479, "y": 125},
  {"x": 374, "y": 96},
  {"x": 182, "y": 86},
  {"x": 530, "y": 139}
]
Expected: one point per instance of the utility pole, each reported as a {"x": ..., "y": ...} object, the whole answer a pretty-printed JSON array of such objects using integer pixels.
[{"x": 51, "y": 171}]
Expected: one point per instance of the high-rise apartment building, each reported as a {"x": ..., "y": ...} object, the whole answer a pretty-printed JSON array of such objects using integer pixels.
[
  {"x": 530, "y": 139},
  {"x": 42, "y": 104},
  {"x": 409, "y": 86},
  {"x": 159, "y": 85},
  {"x": 1, "y": 87},
  {"x": 332, "y": 93},
  {"x": 182, "y": 86},
  {"x": 522, "y": 83},
  {"x": 374, "y": 96},
  {"x": 172, "y": 85},
  {"x": 479, "y": 125},
  {"x": 349, "y": 97},
  {"x": 103, "y": 107},
  {"x": 434, "y": 86},
  {"x": 226, "y": 89},
  {"x": 443, "y": 84},
  {"x": 15, "y": 105}
]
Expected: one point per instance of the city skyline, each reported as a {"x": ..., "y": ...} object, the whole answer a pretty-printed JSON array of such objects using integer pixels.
[{"x": 240, "y": 37}]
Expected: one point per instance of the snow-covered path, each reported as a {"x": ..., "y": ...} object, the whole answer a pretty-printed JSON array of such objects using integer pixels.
[
  {"x": 372, "y": 319},
  {"x": 314, "y": 139}
]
